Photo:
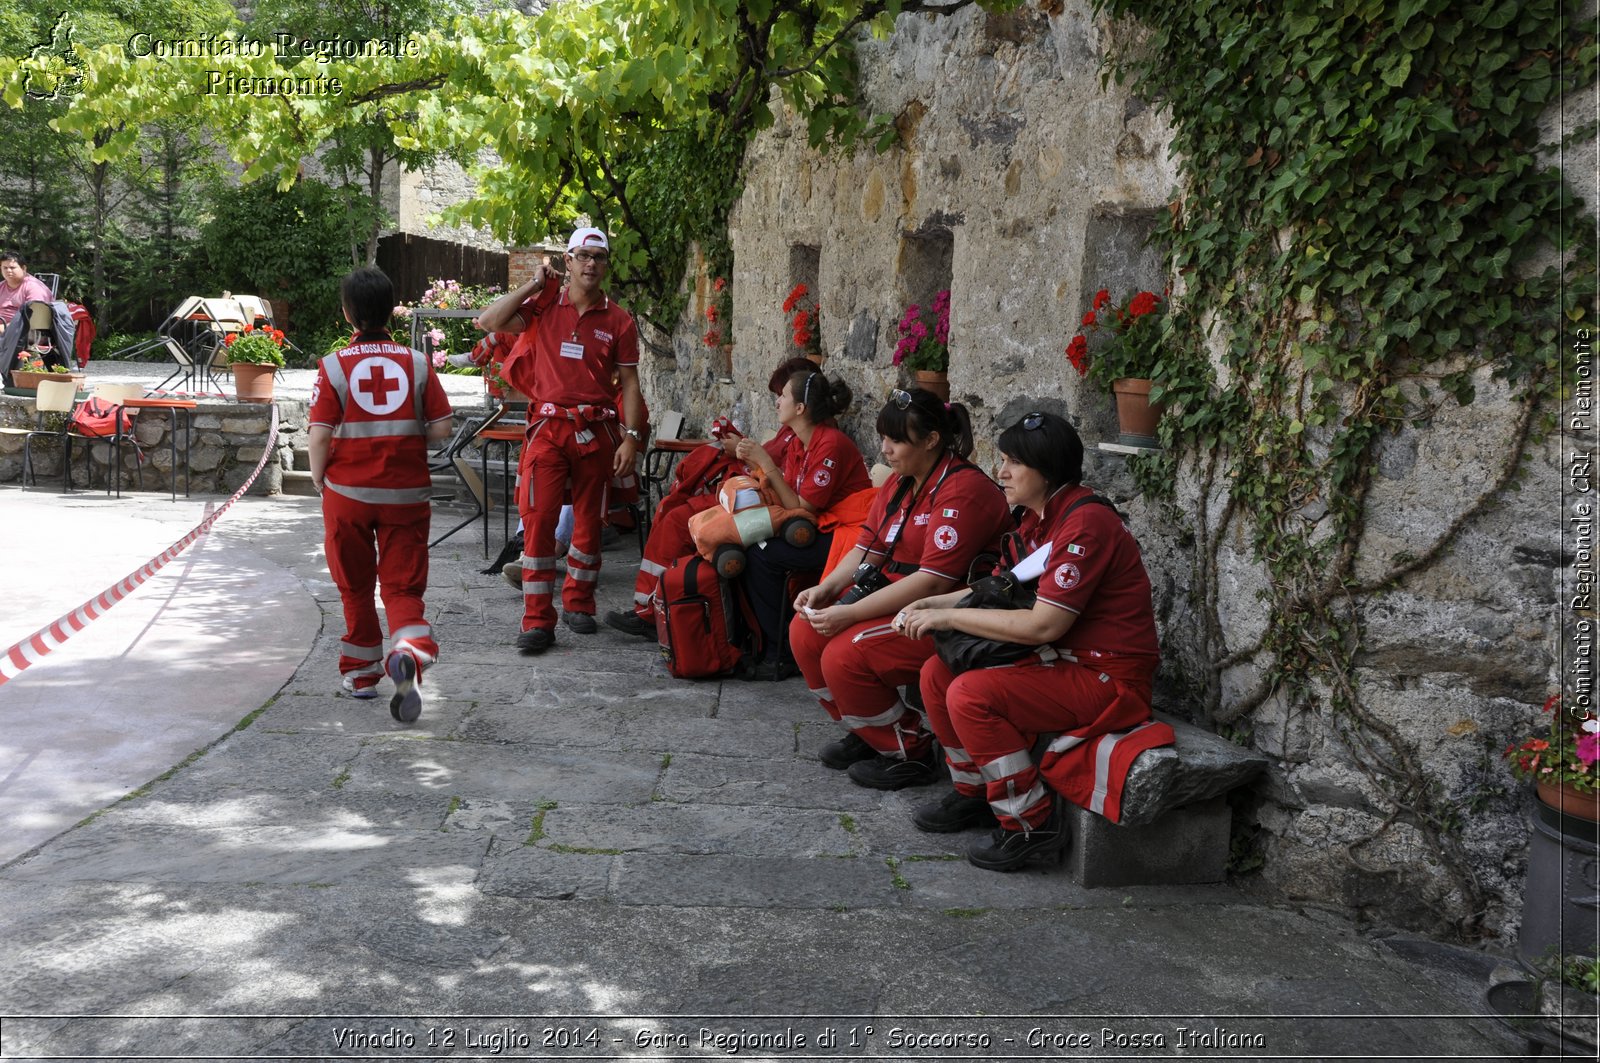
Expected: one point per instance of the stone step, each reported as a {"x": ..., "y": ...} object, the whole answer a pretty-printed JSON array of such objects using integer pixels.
[
  {"x": 302, "y": 459},
  {"x": 297, "y": 481}
]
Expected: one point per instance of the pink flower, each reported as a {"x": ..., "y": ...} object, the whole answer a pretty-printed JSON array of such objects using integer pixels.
[
  {"x": 402, "y": 310},
  {"x": 438, "y": 359},
  {"x": 1589, "y": 748},
  {"x": 436, "y": 335}
]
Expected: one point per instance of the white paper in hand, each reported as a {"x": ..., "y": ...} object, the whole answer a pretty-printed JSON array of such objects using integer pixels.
[{"x": 1032, "y": 566}]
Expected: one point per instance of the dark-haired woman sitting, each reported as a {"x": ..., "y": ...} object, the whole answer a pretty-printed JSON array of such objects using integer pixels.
[
  {"x": 1090, "y": 680},
  {"x": 821, "y": 466},
  {"x": 921, "y": 536}
]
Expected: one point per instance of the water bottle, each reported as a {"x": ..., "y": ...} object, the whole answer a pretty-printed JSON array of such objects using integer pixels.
[{"x": 740, "y": 421}]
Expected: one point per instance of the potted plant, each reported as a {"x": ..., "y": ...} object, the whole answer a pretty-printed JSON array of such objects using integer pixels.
[
  {"x": 254, "y": 356},
  {"x": 1124, "y": 355},
  {"x": 924, "y": 346},
  {"x": 34, "y": 365},
  {"x": 805, "y": 322},
  {"x": 1559, "y": 759},
  {"x": 1561, "y": 764}
]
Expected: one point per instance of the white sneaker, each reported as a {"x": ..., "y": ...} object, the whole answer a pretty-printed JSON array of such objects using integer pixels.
[
  {"x": 512, "y": 571},
  {"x": 364, "y": 693}
]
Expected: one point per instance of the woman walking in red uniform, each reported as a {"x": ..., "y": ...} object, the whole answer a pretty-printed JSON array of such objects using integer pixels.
[
  {"x": 374, "y": 408},
  {"x": 925, "y": 529},
  {"x": 1089, "y": 682},
  {"x": 822, "y": 465}
]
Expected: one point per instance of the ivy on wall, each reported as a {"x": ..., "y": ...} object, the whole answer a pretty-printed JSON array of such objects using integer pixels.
[{"x": 1365, "y": 226}]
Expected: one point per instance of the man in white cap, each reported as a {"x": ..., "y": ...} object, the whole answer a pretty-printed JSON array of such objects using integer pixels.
[{"x": 572, "y": 341}]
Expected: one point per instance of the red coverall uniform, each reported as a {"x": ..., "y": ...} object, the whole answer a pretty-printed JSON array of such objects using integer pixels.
[
  {"x": 829, "y": 469},
  {"x": 379, "y": 397},
  {"x": 566, "y": 362},
  {"x": 1093, "y": 684},
  {"x": 669, "y": 537},
  {"x": 856, "y": 675}
]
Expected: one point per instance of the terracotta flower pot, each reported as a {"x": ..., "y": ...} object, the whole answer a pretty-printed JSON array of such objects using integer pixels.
[
  {"x": 253, "y": 383},
  {"x": 933, "y": 380},
  {"x": 24, "y": 378},
  {"x": 1569, "y": 802},
  {"x": 1136, "y": 416}
]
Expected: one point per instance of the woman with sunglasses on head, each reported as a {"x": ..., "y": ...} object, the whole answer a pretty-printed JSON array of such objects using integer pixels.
[
  {"x": 1090, "y": 679},
  {"x": 925, "y": 529},
  {"x": 821, "y": 466}
]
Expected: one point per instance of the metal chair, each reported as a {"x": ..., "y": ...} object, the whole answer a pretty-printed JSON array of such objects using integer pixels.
[
  {"x": 448, "y": 459},
  {"x": 112, "y": 395}
]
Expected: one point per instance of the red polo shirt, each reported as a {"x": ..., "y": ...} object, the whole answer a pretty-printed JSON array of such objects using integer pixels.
[
  {"x": 567, "y": 358},
  {"x": 829, "y": 469},
  {"x": 959, "y": 514},
  {"x": 1095, "y": 570}
]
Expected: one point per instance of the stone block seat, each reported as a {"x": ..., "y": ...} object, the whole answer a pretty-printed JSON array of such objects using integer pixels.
[{"x": 1175, "y": 819}]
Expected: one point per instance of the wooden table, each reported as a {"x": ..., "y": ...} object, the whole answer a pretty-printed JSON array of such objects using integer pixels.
[{"x": 172, "y": 406}]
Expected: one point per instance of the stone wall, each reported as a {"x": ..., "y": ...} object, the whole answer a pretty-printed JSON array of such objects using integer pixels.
[
  {"x": 225, "y": 445},
  {"x": 1023, "y": 186}
]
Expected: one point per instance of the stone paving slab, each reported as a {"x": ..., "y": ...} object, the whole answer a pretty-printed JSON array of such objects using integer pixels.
[
  {"x": 189, "y": 804},
  {"x": 307, "y": 856},
  {"x": 776, "y": 783},
  {"x": 664, "y": 827},
  {"x": 753, "y": 882},
  {"x": 480, "y": 769}
]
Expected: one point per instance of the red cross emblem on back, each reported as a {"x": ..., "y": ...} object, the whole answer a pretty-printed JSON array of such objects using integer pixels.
[{"x": 376, "y": 387}]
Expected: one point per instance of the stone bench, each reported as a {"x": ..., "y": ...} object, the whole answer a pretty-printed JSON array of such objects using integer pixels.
[{"x": 1176, "y": 823}]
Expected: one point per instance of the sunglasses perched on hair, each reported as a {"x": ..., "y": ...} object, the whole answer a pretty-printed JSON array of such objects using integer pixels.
[
  {"x": 1032, "y": 421},
  {"x": 901, "y": 398}
]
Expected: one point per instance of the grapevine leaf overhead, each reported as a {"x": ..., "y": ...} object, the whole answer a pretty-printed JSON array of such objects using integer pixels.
[{"x": 574, "y": 110}]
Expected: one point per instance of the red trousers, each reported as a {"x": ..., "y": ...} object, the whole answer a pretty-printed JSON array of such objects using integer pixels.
[
  {"x": 856, "y": 676},
  {"x": 988, "y": 719},
  {"x": 386, "y": 547},
  {"x": 554, "y": 458},
  {"x": 669, "y": 540}
]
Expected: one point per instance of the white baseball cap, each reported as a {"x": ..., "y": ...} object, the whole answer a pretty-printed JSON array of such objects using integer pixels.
[{"x": 587, "y": 236}]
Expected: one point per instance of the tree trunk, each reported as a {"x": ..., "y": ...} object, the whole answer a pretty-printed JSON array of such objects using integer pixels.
[{"x": 375, "y": 163}]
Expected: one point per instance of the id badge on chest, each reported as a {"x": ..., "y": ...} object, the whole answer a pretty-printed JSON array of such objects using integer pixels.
[
  {"x": 893, "y": 533},
  {"x": 570, "y": 349}
]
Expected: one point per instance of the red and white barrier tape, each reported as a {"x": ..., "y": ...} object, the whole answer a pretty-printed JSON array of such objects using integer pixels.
[{"x": 47, "y": 639}]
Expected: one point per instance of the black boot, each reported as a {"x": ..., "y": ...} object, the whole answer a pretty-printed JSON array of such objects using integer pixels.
[
  {"x": 957, "y": 811},
  {"x": 1010, "y": 850}
]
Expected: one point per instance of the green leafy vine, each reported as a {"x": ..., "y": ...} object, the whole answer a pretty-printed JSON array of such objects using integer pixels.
[{"x": 1366, "y": 226}]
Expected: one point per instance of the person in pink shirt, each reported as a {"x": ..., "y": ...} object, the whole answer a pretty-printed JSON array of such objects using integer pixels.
[{"x": 20, "y": 287}]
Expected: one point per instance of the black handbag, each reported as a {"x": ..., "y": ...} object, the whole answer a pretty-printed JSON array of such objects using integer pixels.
[{"x": 962, "y": 652}]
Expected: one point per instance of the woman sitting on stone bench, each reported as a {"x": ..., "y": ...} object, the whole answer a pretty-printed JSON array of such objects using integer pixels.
[
  {"x": 1095, "y": 626},
  {"x": 926, "y": 527}
]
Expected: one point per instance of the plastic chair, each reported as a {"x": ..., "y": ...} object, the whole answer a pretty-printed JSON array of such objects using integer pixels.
[{"x": 52, "y": 396}]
